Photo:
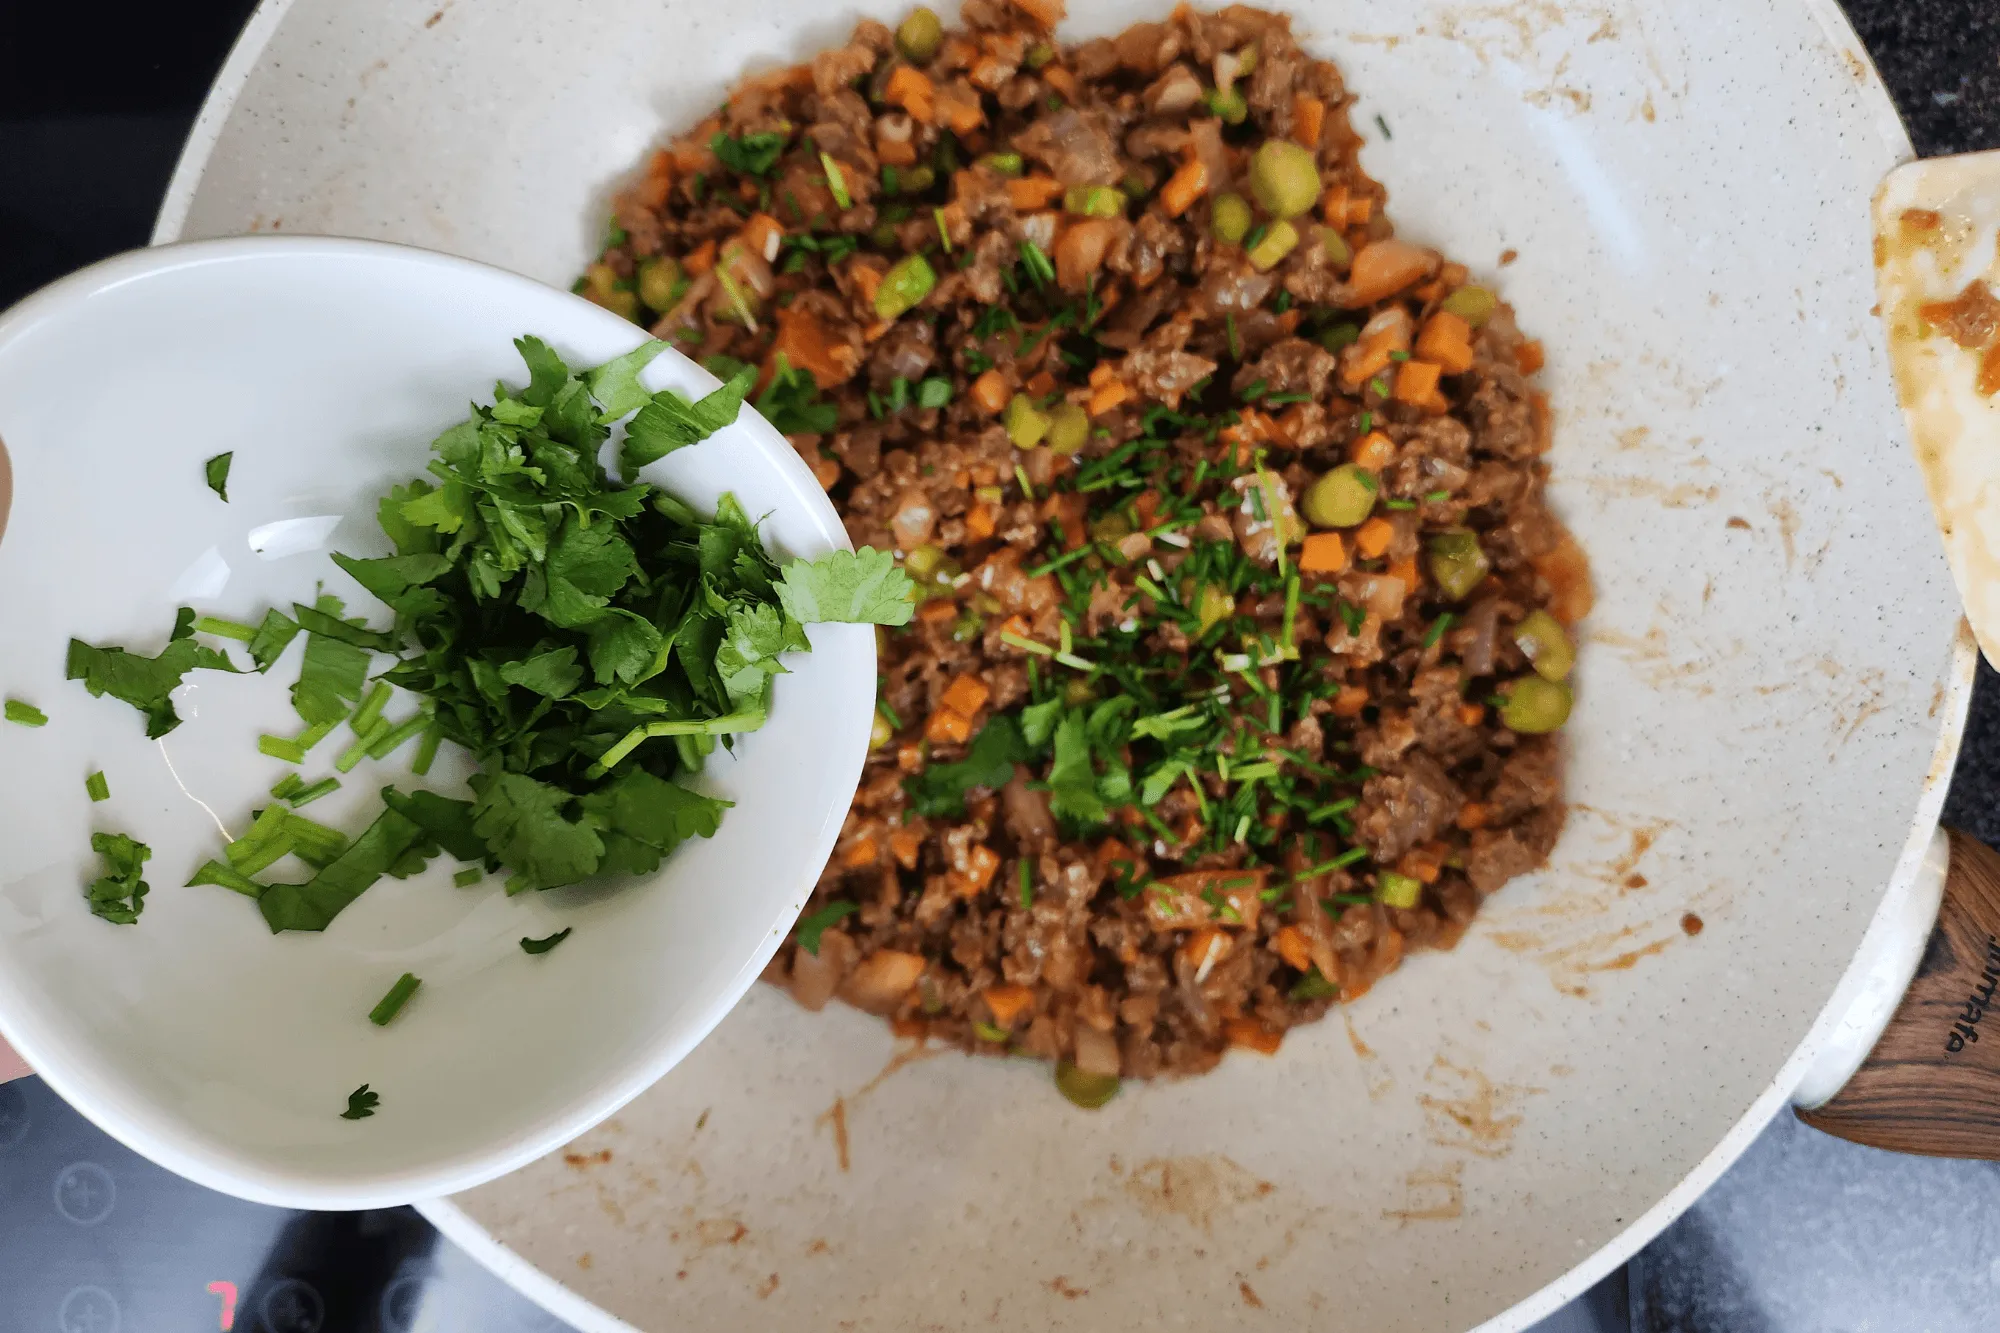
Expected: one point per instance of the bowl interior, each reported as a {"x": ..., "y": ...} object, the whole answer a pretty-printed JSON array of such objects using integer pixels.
[
  {"x": 1763, "y": 688},
  {"x": 196, "y": 1035}
]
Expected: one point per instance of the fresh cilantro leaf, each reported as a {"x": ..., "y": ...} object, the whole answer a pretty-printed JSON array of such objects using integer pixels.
[
  {"x": 216, "y": 470},
  {"x": 814, "y": 925},
  {"x": 146, "y": 683},
  {"x": 361, "y": 1104},
  {"x": 644, "y": 818},
  {"x": 522, "y": 823},
  {"x": 333, "y": 626},
  {"x": 1072, "y": 779},
  {"x": 748, "y": 656},
  {"x": 669, "y": 421},
  {"x": 1038, "y": 722},
  {"x": 546, "y": 943},
  {"x": 273, "y": 636},
  {"x": 989, "y": 761},
  {"x": 314, "y": 904},
  {"x": 624, "y": 647},
  {"x": 792, "y": 404},
  {"x": 444, "y": 821},
  {"x": 391, "y": 577},
  {"x": 334, "y": 670},
  {"x": 546, "y": 371},
  {"x": 119, "y": 895},
  {"x": 750, "y": 154},
  {"x": 859, "y": 587},
  {"x": 615, "y": 384},
  {"x": 553, "y": 674},
  {"x": 445, "y": 509},
  {"x": 586, "y": 564}
]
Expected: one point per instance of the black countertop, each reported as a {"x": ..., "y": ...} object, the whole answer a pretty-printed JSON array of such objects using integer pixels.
[{"x": 1806, "y": 1234}]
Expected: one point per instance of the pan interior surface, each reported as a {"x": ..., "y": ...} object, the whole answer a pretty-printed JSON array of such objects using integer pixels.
[{"x": 1770, "y": 691}]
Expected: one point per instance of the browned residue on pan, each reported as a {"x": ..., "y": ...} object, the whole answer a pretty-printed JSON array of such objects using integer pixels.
[
  {"x": 584, "y": 1261},
  {"x": 1062, "y": 1287},
  {"x": 1375, "y": 1078},
  {"x": 1194, "y": 1189},
  {"x": 767, "y": 1286},
  {"x": 1655, "y": 657},
  {"x": 1470, "y": 1112},
  {"x": 1436, "y": 1194},
  {"x": 1691, "y": 925},
  {"x": 836, "y": 1116},
  {"x": 712, "y": 1231},
  {"x": 583, "y": 1160},
  {"x": 1678, "y": 495},
  {"x": 1780, "y": 508},
  {"x": 1249, "y": 1295}
]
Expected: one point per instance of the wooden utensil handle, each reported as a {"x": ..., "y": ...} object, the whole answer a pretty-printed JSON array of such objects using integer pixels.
[{"x": 1931, "y": 1085}]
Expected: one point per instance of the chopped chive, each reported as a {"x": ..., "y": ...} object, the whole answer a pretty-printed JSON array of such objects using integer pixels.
[
  {"x": 1062, "y": 561},
  {"x": 392, "y": 1004},
  {"x": 944, "y": 237},
  {"x": 1235, "y": 347},
  {"x": 307, "y": 795},
  {"x": 1027, "y": 885},
  {"x": 1027, "y": 488},
  {"x": 371, "y": 708},
  {"x": 97, "y": 786},
  {"x": 225, "y": 629},
  {"x": 548, "y": 942},
  {"x": 25, "y": 714},
  {"x": 427, "y": 751},
  {"x": 1026, "y": 645},
  {"x": 835, "y": 182},
  {"x": 314, "y": 734},
  {"x": 1436, "y": 497},
  {"x": 384, "y": 746},
  {"x": 287, "y": 786},
  {"x": 1438, "y": 627},
  {"x": 358, "y": 751},
  {"x": 1399, "y": 504},
  {"x": 226, "y": 877},
  {"x": 467, "y": 877},
  {"x": 282, "y": 747},
  {"x": 1038, "y": 265}
]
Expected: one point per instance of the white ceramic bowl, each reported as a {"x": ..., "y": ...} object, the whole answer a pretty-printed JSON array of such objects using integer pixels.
[{"x": 196, "y": 1036}]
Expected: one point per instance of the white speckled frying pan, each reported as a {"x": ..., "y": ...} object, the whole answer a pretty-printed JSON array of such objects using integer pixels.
[{"x": 1772, "y": 689}]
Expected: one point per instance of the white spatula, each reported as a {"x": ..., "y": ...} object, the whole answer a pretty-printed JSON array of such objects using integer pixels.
[{"x": 1937, "y": 273}]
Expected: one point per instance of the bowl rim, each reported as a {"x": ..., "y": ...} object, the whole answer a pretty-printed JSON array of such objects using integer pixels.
[{"x": 108, "y": 1102}]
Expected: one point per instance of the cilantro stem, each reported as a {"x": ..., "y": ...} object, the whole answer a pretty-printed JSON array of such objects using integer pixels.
[
  {"x": 371, "y": 708},
  {"x": 222, "y": 876},
  {"x": 392, "y": 1004},
  {"x": 307, "y": 795},
  {"x": 396, "y": 739},
  {"x": 427, "y": 751},
  {"x": 728, "y": 724},
  {"x": 99, "y": 789},
  {"x": 282, "y": 747},
  {"x": 467, "y": 877},
  {"x": 25, "y": 714},
  {"x": 358, "y": 751}
]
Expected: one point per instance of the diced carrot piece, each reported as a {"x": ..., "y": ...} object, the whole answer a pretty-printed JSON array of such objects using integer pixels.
[
  {"x": 1067, "y": 508},
  {"x": 1308, "y": 118},
  {"x": 1006, "y": 1002},
  {"x": 990, "y": 391},
  {"x": 1101, "y": 373},
  {"x": 1350, "y": 701},
  {"x": 1205, "y": 948},
  {"x": 861, "y": 852},
  {"x": 806, "y": 345},
  {"x": 1471, "y": 714},
  {"x": 762, "y": 235},
  {"x": 1107, "y": 396},
  {"x": 1474, "y": 814},
  {"x": 1988, "y": 382},
  {"x": 1372, "y": 538},
  {"x": 1112, "y": 852},
  {"x": 1147, "y": 505},
  {"x": 966, "y": 694},
  {"x": 867, "y": 279},
  {"x": 905, "y": 844},
  {"x": 1028, "y": 193},
  {"x": 1406, "y": 570},
  {"x": 1040, "y": 384},
  {"x": 1424, "y": 863},
  {"x": 938, "y": 611},
  {"x": 911, "y": 89},
  {"x": 653, "y": 191},
  {"x": 692, "y": 153},
  {"x": 1048, "y": 13},
  {"x": 1294, "y": 947},
  {"x": 895, "y": 152},
  {"x": 909, "y": 756},
  {"x": 1447, "y": 340},
  {"x": 1323, "y": 553},
  {"x": 1359, "y": 211},
  {"x": 1567, "y": 573},
  {"x": 1416, "y": 381},
  {"x": 1252, "y": 1035},
  {"x": 980, "y": 522},
  {"x": 1061, "y": 80},
  {"x": 1015, "y": 625},
  {"x": 1530, "y": 357},
  {"x": 980, "y": 864},
  {"x": 1188, "y": 183},
  {"x": 1374, "y": 451},
  {"x": 700, "y": 259},
  {"x": 948, "y": 726},
  {"x": 960, "y": 111},
  {"x": 1333, "y": 206}
]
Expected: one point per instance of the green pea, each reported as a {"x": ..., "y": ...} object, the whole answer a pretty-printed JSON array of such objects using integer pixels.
[
  {"x": 1006, "y": 164},
  {"x": 1025, "y": 424},
  {"x": 1229, "y": 218},
  {"x": 920, "y": 36},
  {"x": 1069, "y": 428},
  {"x": 1111, "y": 528},
  {"x": 1474, "y": 305},
  {"x": 1278, "y": 241},
  {"x": 915, "y": 180},
  {"x": 903, "y": 286},
  {"x": 1535, "y": 706},
  {"x": 1089, "y": 1091},
  {"x": 1393, "y": 890},
  {"x": 919, "y": 563},
  {"x": 1339, "y": 336},
  {"x": 1284, "y": 178},
  {"x": 1458, "y": 562},
  {"x": 1340, "y": 499},
  {"x": 659, "y": 283},
  {"x": 1094, "y": 201},
  {"x": 1230, "y": 106},
  {"x": 881, "y": 733},
  {"x": 1546, "y": 645},
  {"x": 1040, "y": 54}
]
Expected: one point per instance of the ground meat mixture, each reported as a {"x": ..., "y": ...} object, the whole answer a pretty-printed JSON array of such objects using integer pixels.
[{"x": 1243, "y": 622}]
